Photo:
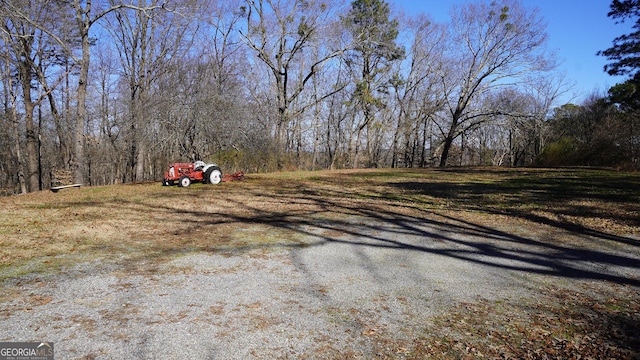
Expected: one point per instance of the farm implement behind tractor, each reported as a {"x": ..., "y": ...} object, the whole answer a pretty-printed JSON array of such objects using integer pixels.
[{"x": 186, "y": 173}]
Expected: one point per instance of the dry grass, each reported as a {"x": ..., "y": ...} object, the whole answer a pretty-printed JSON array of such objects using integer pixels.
[
  {"x": 148, "y": 223},
  {"x": 141, "y": 226}
]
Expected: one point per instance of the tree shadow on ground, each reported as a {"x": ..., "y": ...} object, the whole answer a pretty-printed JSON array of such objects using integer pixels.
[
  {"x": 331, "y": 216},
  {"x": 555, "y": 199},
  {"x": 324, "y": 216},
  {"x": 316, "y": 215}
]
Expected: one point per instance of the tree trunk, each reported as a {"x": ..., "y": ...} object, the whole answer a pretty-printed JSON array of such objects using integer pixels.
[
  {"x": 139, "y": 174},
  {"x": 61, "y": 132},
  {"x": 78, "y": 158},
  {"x": 32, "y": 140},
  {"x": 423, "y": 147},
  {"x": 59, "y": 122},
  {"x": 78, "y": 162},
  {"x": 10, "y": 109},
  {"x": 446, "y": 147},
  {"x": 17, "y": 150},
  {"x": 448, "y": 140}
]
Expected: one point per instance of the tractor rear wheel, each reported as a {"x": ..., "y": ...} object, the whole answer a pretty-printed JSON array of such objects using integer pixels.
[
  {"x": 184, "y": 181},
  {"x": 213, "y": 175}
]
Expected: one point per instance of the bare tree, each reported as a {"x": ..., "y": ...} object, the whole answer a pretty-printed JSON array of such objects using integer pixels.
[
  {"x": 85, "y": 17},
  {"x": 109, "y": 165},
  {"x": 419, "y": 96},
  {"x": 491, "y": 45},
  {"x": 10, "y": 116},
  {"x": 22, "y": 40},
  {"x": 148, "y": 41},
  {"x": 279, "y": 32},
  {"x": 33, "y": 53}
]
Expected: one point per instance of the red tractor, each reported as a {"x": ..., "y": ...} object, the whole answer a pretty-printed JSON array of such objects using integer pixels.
[{"x": 186, "y": 173}]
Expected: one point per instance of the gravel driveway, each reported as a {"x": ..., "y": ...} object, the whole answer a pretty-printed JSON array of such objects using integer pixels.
[{"x": 337, "y": 294}]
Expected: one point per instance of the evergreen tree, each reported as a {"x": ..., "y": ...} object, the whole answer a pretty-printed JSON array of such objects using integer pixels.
[
  {"x": 625, "y": 52},
  {"x": 374, "y": 35}
]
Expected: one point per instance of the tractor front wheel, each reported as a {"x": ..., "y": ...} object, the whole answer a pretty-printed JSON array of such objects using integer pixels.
[{"x": 185, "y": 181}]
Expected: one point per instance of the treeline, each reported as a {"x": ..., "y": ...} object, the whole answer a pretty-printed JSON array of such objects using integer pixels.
[
  {"x": 600, "y": 132},
  {"x": 112, "y": 92}
]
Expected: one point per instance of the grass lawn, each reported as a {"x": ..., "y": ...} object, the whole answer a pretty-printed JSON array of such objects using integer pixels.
[{"x": 141, "y": 226}]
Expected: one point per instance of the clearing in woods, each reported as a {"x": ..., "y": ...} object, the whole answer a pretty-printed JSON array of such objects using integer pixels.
[{"x": 565, "y": 240}]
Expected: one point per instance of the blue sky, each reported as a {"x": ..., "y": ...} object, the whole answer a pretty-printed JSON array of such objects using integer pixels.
[{"x": 577, "y": 30}]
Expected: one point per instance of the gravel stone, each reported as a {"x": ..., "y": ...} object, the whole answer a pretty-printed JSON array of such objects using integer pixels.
[{"x": 306, "y": 301}]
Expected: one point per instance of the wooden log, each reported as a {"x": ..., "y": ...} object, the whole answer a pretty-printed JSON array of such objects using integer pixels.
[{"x": 56, "y": 188}]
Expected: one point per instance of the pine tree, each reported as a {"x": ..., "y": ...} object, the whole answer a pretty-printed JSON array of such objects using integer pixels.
[
  {"x": 374, "y": 35},
  {"x": 625, "y": 52}
]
